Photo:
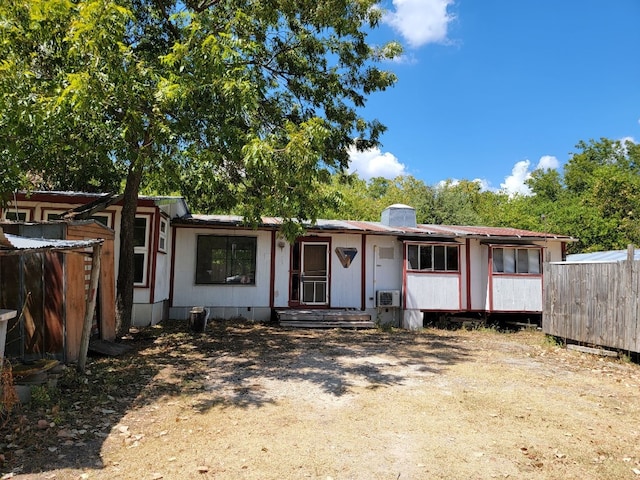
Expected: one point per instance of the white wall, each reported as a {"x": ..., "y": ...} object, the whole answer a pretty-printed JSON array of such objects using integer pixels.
[
  {"x": 434, "y": 291},
  {"x": 517, "y": 294},
  {"x": 346, "y": 283},
  {"x": 187, "y": 294},
  {"x": 479, "y": 280},
  {"x": 281, "y": 280},
  {"x": 384, "y": 267}
]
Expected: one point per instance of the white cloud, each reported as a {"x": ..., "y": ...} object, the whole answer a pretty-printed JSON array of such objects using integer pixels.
[
  {"x": 548, "y": 162},
  {"x": 420, "y": 21},
  {"x": 514, "y": 184},
  {"x": 373, "y": 163},
  {"x": 485, "y": 185}
]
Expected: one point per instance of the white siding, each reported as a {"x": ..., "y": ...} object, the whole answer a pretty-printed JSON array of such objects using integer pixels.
[
  {"x": 346, "y": 283},
  {"x": 281, "y": 282},
  {"x": 383, "y": 267},
  {"x": 187, "y": 294},
  {"x": 517, "y": 294},
  {"x": 479, "y": 279},
  {"x": 162, "y": 277},
  {"x": 433, "y": 291}
]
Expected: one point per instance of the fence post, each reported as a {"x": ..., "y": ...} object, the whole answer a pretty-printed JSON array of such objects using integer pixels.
[
  {"x": 629, "y": 332},
  {"x": 90, "y": 305}
]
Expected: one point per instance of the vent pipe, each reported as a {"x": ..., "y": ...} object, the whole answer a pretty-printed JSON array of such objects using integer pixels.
[{"x": 399, "y": 215}]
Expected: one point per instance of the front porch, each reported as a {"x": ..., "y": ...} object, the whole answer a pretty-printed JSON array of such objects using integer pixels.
[{"x": 323, "y": 318}]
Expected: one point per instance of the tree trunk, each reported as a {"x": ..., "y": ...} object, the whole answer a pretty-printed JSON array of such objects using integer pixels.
[{"x": 124, "y": 293}]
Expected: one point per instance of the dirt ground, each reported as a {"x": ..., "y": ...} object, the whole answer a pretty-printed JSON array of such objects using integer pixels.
[{"x": 245, "y": 401}]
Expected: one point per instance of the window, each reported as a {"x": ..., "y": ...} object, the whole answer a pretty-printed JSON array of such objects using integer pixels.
[
  {"x": 141, "y": 250},
  {"x": 14, "y": 215},
  {"x": 433, "y": 258},
  {"x": 103, "y": 219},
  {"x": 55, "y": 215},
  {"x": 516, "y": 260},
  {"x": 162, "y": 239},
  {"x": 226, "y": 260}
]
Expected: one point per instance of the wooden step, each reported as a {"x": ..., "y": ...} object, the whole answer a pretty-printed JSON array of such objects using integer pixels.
[
  {"x": 324, "y": 319},
  {"x": 326, "y": 324}
]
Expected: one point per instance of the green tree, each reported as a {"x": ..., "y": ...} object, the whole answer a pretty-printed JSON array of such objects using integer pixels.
[
  {"x": 408, "y": 190},
  {"x": 456, "y": 203},
  {"x": 235, "y": 103},
  {"x": 353, "y": 199},
  {"x": 596, "y": 200},
  {"x": 358, "y": 199},
  {"x": 546, "y": 184},
  {"x": 603, "y": 181}
]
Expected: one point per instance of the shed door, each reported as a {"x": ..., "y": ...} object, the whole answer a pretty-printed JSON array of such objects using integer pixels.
[{"x": 310, "y": 281}]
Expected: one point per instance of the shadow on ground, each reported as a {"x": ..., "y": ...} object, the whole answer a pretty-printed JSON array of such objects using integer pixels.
[{"x": 221, "y": 367}]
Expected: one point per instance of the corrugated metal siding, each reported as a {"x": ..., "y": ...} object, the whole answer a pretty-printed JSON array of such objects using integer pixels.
[
  {"x": 22, "y": 243},
  {"x": 609, "y": 256}
]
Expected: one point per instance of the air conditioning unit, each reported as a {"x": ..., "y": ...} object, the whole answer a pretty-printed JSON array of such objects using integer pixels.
[{"x": 388, "y": 298}]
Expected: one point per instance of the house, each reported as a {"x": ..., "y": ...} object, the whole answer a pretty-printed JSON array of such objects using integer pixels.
[
  {"x": 391, "y": 272},
  {"x": 395, "y": 271},
  {"x": 152, "y": 237}
]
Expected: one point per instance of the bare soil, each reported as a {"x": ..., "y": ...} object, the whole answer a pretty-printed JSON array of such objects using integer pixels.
[{"x": 247, "y": 401}]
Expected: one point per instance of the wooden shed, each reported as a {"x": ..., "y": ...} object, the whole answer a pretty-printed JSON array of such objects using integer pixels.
[{"x": 48, "y": 287}]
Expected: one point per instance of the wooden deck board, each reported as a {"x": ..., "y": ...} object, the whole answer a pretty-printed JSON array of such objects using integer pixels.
[
  {"x": 320, "y": 324},
  {"x": 324, "y": 319}
]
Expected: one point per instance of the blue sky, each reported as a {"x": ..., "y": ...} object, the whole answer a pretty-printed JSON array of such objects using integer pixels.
[{"x": 489, "y": 90}]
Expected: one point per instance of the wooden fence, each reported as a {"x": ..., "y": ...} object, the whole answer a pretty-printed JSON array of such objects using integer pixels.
[{"x": 593, "y": 303}]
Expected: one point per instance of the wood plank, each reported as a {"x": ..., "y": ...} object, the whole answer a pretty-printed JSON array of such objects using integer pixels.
[
  {"x": 110, "y": 349},
  {"x": 320, "y": 324},
  {"x": 593, "y": 303},
  {"x": 594, "y": 351},
  {"x": 322, "y": 315}
]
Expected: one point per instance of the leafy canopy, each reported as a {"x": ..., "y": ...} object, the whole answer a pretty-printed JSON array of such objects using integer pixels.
[{"x": 236, "y": 103}]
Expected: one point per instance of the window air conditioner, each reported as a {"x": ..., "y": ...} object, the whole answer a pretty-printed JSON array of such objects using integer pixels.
[{"x": 388, "y": 298}]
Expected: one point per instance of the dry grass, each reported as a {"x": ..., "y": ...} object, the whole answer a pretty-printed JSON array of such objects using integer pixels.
[{"x": 255, "y": 402}]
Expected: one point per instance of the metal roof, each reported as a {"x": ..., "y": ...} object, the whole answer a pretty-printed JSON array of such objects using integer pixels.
[
  {"x": 378, "y": 228},
  {"x": 178, "y": 203},
  {"x": 601, "y": 257},
  {"x": 14, "y": 244}
]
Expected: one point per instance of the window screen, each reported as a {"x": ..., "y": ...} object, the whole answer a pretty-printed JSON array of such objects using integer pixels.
[
  {"x": 226, "y": 260},
  {"x": 432, "y": 258},
  {"x": 516, "y": 260}
]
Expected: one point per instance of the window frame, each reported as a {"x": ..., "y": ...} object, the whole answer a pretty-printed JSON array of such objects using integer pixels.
[
  {"x": 20, "y": 211},
  {"x": 48, "y": 213},
  {"x": 142, "y": 250},
  {"x": 244, "y": 279},
  {"x": 163, "y": 235},
  {"x": 516, "y": 259},
  {"x": 433, "y": 262}
]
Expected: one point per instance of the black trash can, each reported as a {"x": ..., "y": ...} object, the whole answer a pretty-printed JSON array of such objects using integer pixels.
[{"x": 198, "y": 319}]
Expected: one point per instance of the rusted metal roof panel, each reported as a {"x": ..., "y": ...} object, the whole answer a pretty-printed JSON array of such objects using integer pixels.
[
  {"x": 225, "y": 220},
  {"x": 379, "y": 228},
  {"x": 502, "y": 232}
]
